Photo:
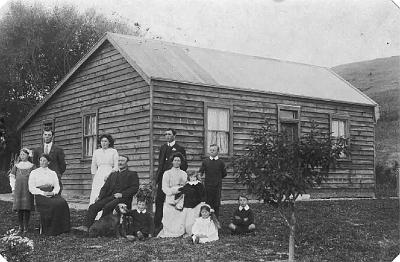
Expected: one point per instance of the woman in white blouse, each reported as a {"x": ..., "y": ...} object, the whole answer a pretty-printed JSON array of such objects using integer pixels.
[
  {"x": 173, "y": 219},
  {"x": 104, "y": 161},
  {"x": 54, "y": 211}
]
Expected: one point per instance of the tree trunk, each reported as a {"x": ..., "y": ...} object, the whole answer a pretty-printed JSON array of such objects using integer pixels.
[{"x": 292, "y": 227}]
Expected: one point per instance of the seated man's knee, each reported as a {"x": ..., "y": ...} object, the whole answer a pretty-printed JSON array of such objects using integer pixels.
[{"x": 252, "y": 227}]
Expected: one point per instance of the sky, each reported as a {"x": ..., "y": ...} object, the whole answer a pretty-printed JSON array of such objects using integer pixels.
[{"x": 325, "y": 33}]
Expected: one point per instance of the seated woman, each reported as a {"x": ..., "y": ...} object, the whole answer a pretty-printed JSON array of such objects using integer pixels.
[
  {"x": 173, "y": 219},
  {"x": 53, "y": 209}
]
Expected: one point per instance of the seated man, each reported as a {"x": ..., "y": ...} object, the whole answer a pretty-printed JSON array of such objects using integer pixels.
[
  {"x": 120, "y": 187},
  {"x": 243, "y": 218}
]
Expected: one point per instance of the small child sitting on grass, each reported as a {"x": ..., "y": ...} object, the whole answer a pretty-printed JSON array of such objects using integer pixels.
[
  {"x": 142, "y": 222},
  {"x": 243, "y": 218},
  {"x": 205, "y": 227}
]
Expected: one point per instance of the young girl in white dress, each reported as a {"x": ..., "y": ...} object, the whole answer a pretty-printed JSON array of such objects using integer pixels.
[
  {"x": 104, "y": 161},
  {"x": 205, "y": 228}
]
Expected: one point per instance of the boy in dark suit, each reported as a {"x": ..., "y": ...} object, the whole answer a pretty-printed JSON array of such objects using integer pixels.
[
  {"x": 243, "y": 218},
  {"x": 164, "y": 164},
  {"x": 142, "y": 222},
  {"x": 214, "y": 169},
  {"x": 55, "y": 152}
]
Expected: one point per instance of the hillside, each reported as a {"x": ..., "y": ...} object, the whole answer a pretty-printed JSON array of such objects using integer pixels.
[{"x": 380, "y": 80}]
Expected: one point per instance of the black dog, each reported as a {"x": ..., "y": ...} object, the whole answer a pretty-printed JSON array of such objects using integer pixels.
[{"x": 111, "y": 225}]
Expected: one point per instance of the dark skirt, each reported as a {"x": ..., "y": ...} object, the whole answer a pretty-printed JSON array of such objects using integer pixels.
[{"x": 54, "y": 214}]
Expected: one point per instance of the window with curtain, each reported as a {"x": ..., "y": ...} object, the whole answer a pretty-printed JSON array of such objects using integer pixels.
[
  {"x": 48, "y": 125},
  {"x": 339, "y": 129},
  {"x": 218, "y": 126},
  {"x": 89, "y": 134},
  {"x": 289, "y": 121}
]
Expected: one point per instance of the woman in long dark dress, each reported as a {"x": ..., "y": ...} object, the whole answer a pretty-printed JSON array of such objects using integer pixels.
[
  {"x": 22, "y": 198},
  {"x": 53, "y": 209}
]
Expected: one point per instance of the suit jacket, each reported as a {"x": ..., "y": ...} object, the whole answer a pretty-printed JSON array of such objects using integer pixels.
[
  {"x": 164, "y": 161},
  {"x": 57, "y": 163},
  {"x": 125, "y": 182}
]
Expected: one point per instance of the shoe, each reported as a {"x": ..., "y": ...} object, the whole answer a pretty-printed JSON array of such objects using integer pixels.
[
  {"x": 196, "y": 240},
  {"x": 131, "y": 238},
  {"x": 81, "y": 228},
  {"x": 20, "y": 230},
  {"x": 140, "y": 235}
]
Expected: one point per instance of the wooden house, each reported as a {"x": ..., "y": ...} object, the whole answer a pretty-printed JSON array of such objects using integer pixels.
[{"x": 134, "y": 88}]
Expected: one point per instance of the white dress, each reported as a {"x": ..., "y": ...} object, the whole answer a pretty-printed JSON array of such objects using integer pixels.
[
  {"x": 173, "y": 220},
  {"x": 104, "y": 161},
  {"x": 205, "y": 229}
]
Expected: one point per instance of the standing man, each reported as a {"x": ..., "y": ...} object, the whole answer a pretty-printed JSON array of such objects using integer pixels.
[
  {"x": 165, "y": 163},
  {"x": 56, "y": 153},
  {"x": 120, "y": 187}
]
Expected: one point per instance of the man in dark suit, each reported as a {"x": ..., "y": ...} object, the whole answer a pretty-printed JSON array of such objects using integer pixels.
[
  {"x": 120, "y": 187},
  {"x": 165, "y": 163},
  {"x": 56, "y": 153}
]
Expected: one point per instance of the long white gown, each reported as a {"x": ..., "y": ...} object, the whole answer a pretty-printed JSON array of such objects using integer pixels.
[
  {"x": 104, "y": 161},
  {"x": 173, "y": 220}
]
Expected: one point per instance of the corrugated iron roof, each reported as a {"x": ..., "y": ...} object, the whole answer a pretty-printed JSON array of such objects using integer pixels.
[
  {"x": 154, "y": 59},
  {"x": 175, "y": 62}
]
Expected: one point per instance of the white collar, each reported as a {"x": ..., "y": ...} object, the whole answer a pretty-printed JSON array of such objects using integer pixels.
[
  {"x": 214, "y": 158},
  {"x": 245, "y": 208},
  {"x": 49, "y": 144},
  {"x": 171, "y": 143},
  {"x": 24, "y": 165},
  {"x": 192, "y": 183},
  {"x": 144, "y": 211}
]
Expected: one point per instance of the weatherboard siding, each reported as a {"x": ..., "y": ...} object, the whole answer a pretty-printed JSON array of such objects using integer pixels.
[
  {"x": 105, "y": 83},
  {"x": 181, "y": 106},
  {"x": 137, "y": 114}
]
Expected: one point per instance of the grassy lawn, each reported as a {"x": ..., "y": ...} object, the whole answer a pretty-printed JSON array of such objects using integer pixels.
[{"x": 362, "y": 230}]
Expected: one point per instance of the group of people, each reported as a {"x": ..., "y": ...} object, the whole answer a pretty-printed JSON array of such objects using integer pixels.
[
  {"x": 36, "y": 184},
  {"x": 183, "y": 205}
]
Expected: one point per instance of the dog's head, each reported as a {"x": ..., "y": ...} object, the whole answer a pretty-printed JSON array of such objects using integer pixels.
[{"x": 120, "y": 209}]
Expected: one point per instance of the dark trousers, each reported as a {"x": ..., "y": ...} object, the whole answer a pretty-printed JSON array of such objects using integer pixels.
[
  {"x": 213, "y": 198},
  {"x": 160, "y": 199},
  {"x": 106, "y": 204}
]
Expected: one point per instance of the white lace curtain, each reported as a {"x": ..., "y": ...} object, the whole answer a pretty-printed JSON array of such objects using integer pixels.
[
  {"x": 338, "y": 128},
  {"x": 90, "y": 131},
  {"x": 218, "y": 129}
]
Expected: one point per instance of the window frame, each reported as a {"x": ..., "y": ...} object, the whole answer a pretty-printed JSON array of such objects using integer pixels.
[
  {"x": 230, "y": 132},
  {"x": 83, "y": 116},
  {"x": 51, "y": 121},
  {"x": 346, "y": 119},
  {"x": 282, "y": 119}
]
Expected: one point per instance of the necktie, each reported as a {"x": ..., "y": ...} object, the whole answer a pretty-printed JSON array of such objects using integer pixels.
[{"x": 46, "y": 149}]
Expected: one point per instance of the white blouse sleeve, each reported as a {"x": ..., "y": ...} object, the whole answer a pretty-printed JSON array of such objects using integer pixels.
[
  {"x": 93, "y": 167},
  {"x": 115, "y": 161},
  {"x": 32, "y": 184}
]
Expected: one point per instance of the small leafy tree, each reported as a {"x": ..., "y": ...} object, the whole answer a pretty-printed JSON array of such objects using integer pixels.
[{"x": 278, "y": 170}]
